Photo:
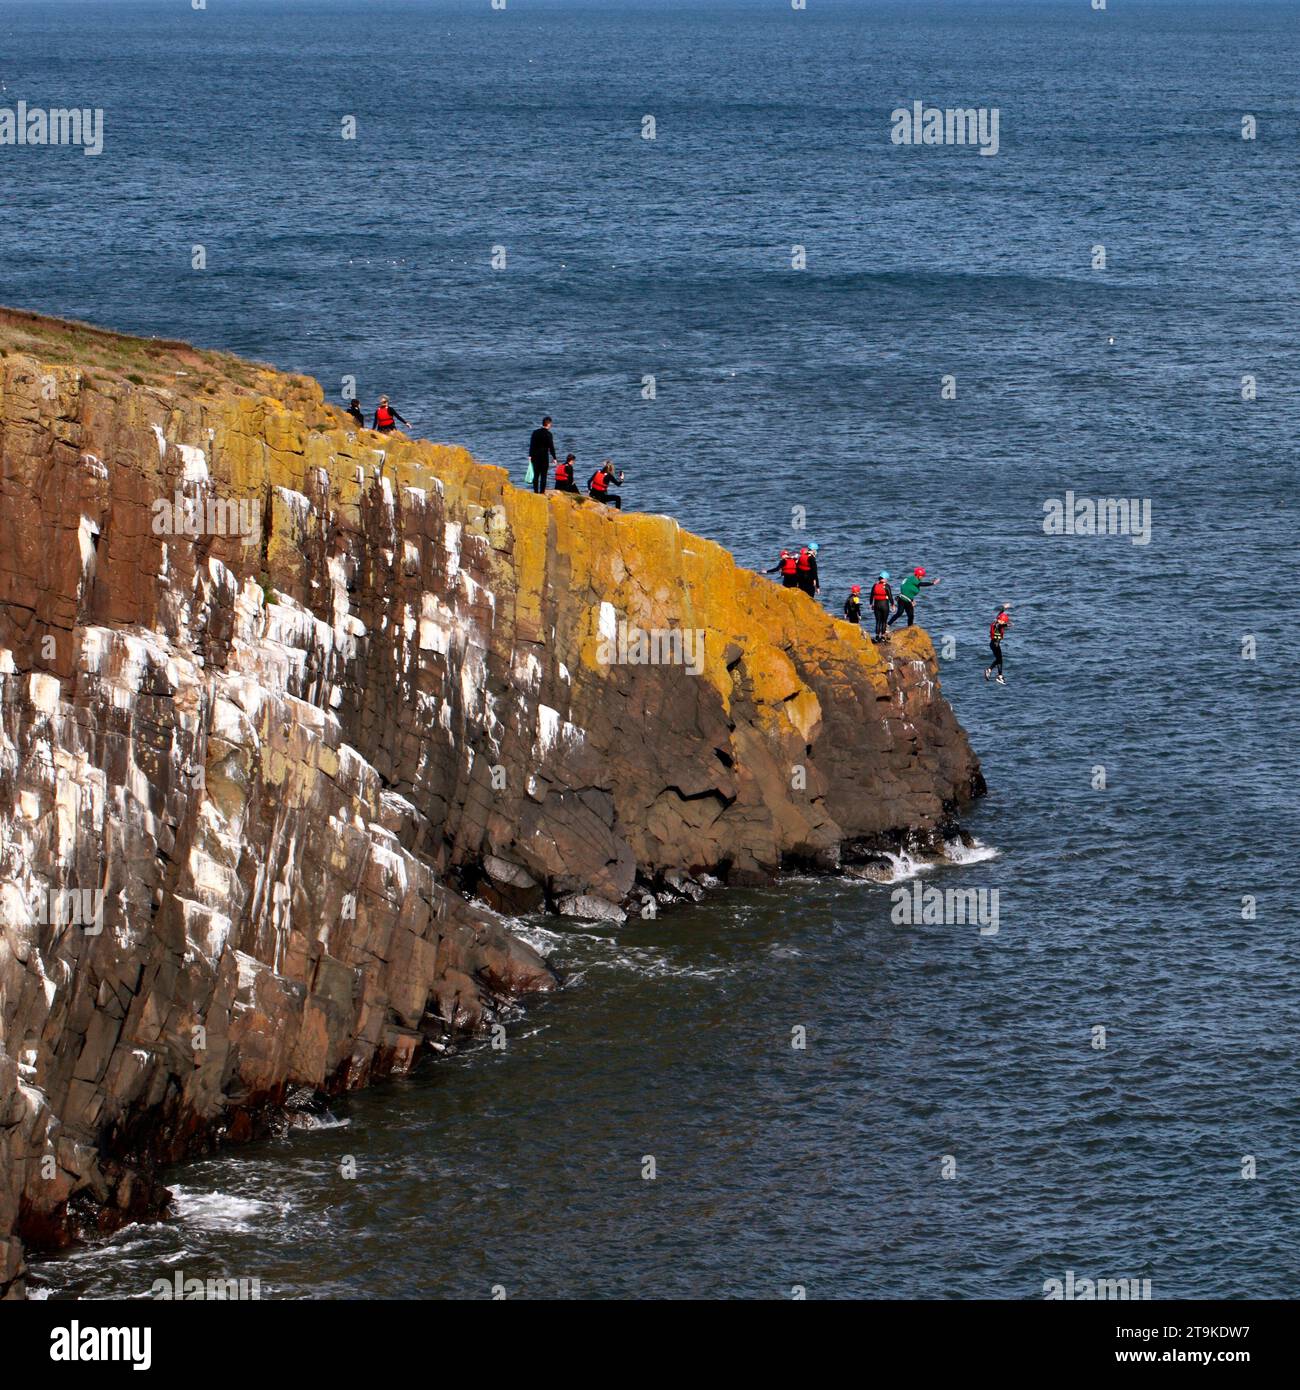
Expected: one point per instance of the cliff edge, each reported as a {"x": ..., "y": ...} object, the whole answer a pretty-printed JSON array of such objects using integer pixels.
[{"x": 288, "y": 708}]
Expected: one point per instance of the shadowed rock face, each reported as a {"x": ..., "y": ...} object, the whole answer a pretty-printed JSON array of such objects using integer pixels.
[{"x": 277, "y": 693}]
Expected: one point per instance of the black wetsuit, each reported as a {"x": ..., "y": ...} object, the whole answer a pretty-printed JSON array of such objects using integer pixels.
[
  {"x": 807, "y": 578},
  {"x": 541, "y": 450},
  {"x": 355, "y": 412},
  {"x": 564, "y": 478},
  {"x": 996, "y": 632},
  {"x": 853, "y": 609},
  {"x": 880, "y": 607}
]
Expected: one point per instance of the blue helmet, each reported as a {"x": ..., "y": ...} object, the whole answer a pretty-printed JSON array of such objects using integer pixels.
[
  {"x": 884, "y": 574},
  {"x": 812, "y": 545}
]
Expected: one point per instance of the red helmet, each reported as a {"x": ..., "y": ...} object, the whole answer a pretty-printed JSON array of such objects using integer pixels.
[
  {"x": 856, "y": 589},
  {"x": 918, "y": 571}
]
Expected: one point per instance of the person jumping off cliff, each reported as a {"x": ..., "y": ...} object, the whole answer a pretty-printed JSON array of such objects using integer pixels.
[
  {"x": 806, "y": 570},
  {"x": 541, "y": 450},
  {"x": 908, "y": 591},
  {"x": 598, "y": 486},
  {"x": 354, "y": 409},
  {"x": 882, "y": 600},
  {"x": 564, "y": 475},
  {"x": 997, "y": 630},
  {"x": 386, "y": 417},
  {"x": 788, "y": 565},
  {"x": 853, "y": 605}
]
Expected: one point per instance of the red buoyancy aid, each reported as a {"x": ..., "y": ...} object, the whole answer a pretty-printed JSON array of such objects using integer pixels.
[
  {"x": 880, "y": 592},
  {"x": 599, "y": 481},
  {"x": 788, "y": 564},
  {"x": 383, "y": 417},
  {"x": 563, "y": 473},
  {"x": 805, "y": 557}
]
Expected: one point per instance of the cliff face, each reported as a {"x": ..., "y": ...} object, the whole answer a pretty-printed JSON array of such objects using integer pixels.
[{"x": 277, "y": 693}]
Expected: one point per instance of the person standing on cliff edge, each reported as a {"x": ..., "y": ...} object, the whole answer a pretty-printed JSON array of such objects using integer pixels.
[
  {"x": 386, "y": 417},
  {"x": 882, "y": 600},
  {"x": 541, "y": 451},
  {"x": 806, "y": 570}
]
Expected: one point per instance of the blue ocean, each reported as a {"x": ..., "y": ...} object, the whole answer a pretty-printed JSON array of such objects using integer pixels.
[{"x": 772, "y": 313}]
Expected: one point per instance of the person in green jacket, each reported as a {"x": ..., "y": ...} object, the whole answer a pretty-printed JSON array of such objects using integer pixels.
[{"x": 907, "y": 593}]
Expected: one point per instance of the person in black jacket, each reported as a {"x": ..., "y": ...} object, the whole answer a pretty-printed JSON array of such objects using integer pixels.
[
  {"x": 354, "y": 409},
  {"x": 541, "y": 450},
  {"x": 882, "y": 600}
]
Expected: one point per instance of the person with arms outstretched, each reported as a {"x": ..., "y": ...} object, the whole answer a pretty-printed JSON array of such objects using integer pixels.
[{"x": 908, "y": 592}]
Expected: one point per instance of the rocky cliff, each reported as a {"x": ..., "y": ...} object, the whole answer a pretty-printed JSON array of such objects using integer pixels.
[{"x": 288, "y": 708}]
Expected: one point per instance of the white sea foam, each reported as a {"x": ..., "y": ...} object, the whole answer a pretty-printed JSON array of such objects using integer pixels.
[
  {"x": 218, "y": 1211},
  {"x": 977, "y": 853}
]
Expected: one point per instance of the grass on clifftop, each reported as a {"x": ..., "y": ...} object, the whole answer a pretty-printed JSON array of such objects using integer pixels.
[{"x": 161, "y": 362}]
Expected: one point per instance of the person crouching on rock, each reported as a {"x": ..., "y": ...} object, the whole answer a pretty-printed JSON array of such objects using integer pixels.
[
  {"x": 806, "y": 570},
  {"x": 853, "y": 605},
  {"x": 908, "y": 592},
  {"x": 598, "y": 487},
  {"x": 386, "y": 417},
  {"x": 882, "y": 600},
  {"x": 788, "y": 565},
  {"x": 354, "y": 409},
  {"x": 997, "y": 631},
  {"x": 564, "y": 475}
]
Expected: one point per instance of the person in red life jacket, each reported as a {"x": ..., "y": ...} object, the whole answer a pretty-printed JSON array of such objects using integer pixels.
[
  {"x": 908, "y": 592},
  {"x": 541, "y": 450},
  {"x": 882, "y": 600},
  {"x": 386, "y": 417},
  {"x": 564, "y": 475},
  {"x": 354, "y": 409},
  {"x": 997, "y": 631},
  {"x": 853, "y": 605},
  {"x": 788, "y": 565},
  {"x": 598, "y": 487},
  {"x": 806, "y": 570}
]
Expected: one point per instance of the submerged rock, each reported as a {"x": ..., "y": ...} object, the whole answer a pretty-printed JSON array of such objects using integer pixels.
[{"x": 278, "y": 697}]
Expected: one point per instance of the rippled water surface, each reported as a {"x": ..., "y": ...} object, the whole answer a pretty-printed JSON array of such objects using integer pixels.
[{"x": 1119, "y": 908}]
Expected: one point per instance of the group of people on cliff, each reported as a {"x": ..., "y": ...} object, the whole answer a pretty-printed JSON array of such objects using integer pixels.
[
  {"x": 542, "y": 454},
  {"x": 386, "y": 416},
  {"x": 798, "y": 570}
]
